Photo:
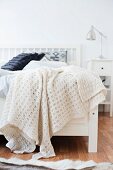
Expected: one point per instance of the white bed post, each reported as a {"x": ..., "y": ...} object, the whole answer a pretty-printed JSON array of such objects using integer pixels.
[{"x": 93, "y": 130}]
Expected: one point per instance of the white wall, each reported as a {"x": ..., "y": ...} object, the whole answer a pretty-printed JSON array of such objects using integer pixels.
[{"x": 57, "y": 21}]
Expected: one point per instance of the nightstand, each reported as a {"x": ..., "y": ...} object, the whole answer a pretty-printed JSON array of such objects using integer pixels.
[{"x": 104, "y": 68}]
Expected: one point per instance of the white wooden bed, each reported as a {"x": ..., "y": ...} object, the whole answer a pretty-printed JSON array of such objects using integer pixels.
[{"x": 87, "y": 127}]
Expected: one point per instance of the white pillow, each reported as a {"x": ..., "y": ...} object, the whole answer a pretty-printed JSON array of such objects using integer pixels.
[
  {"x": 4, "y": 72},
  {"x": 44, "y": 59},
  {"x": 2, "y": 62},
  {"x": 39, "y": 64}
]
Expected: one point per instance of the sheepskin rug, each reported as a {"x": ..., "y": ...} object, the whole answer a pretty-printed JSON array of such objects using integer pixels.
[{"x": 33, "y": 164}]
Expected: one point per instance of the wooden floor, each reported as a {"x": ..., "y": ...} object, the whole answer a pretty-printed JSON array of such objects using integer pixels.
[{"x": 76, "y": 147}]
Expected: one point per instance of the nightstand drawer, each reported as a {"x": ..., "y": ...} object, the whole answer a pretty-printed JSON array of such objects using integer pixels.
[{"x": 102, "y": 68}]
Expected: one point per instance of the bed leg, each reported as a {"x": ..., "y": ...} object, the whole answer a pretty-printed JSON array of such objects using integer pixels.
[{"x": 93, "y": 131}]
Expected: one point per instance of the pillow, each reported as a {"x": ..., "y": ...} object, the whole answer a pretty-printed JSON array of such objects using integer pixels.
[
  {"x": 57, "y": 56},
  {"x": 40, "y": 64},
  {"x": 45, "y": 59},
  {"x": 4, "y": 72},
  {"x": 2, "y": 62},
  {"x": 21, "y": 60}
]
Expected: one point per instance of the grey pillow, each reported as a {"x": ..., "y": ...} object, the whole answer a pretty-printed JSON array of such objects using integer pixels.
[{"x": 21, "y": 60}]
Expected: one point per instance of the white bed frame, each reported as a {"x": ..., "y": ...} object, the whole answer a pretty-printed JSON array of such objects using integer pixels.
[{"x": 90, "y": 126}]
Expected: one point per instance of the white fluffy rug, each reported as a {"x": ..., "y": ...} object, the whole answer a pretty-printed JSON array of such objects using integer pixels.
[{"x": 15, "y": 163}]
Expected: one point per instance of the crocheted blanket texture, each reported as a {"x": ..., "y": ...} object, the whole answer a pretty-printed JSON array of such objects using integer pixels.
[{"x": 41, "y": 102}]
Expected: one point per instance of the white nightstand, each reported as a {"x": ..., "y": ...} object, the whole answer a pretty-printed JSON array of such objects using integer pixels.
[{"x": 104, "y": 67}]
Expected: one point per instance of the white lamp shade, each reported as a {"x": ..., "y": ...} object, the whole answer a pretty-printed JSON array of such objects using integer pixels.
[{"x": 91, "y": 34}]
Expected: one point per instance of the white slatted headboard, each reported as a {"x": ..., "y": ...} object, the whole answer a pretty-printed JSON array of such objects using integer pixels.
[{"x": 73, "y": 53}]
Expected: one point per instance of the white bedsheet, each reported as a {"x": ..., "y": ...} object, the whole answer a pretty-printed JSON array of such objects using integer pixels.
[
  {"x": 6, "y": 77},
  {"x": 5, "y": 82}
]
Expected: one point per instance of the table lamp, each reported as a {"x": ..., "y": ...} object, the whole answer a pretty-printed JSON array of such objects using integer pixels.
[{"x": 91, "y": 35}]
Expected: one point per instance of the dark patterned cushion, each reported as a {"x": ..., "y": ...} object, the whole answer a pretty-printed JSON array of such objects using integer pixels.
[
  {"x": 21, "y": 60},
  {"x": 57, "y": 56}
]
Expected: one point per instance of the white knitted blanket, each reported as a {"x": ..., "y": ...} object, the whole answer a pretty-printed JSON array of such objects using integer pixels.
[{"x": 41, "y": 102}]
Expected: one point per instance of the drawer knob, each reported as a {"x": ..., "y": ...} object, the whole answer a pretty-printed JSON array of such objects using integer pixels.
[{"x": 102, "y": 68}]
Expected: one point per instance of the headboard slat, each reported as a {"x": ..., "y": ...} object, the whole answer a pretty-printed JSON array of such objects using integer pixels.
[{"x": 73, "y": 53}]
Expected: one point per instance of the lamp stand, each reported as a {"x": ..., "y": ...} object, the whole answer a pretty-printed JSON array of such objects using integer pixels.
[{"x": 101, "y": 56}]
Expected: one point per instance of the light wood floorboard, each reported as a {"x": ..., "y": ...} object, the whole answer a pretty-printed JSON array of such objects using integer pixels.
[{"x": 76, "y": 147}]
